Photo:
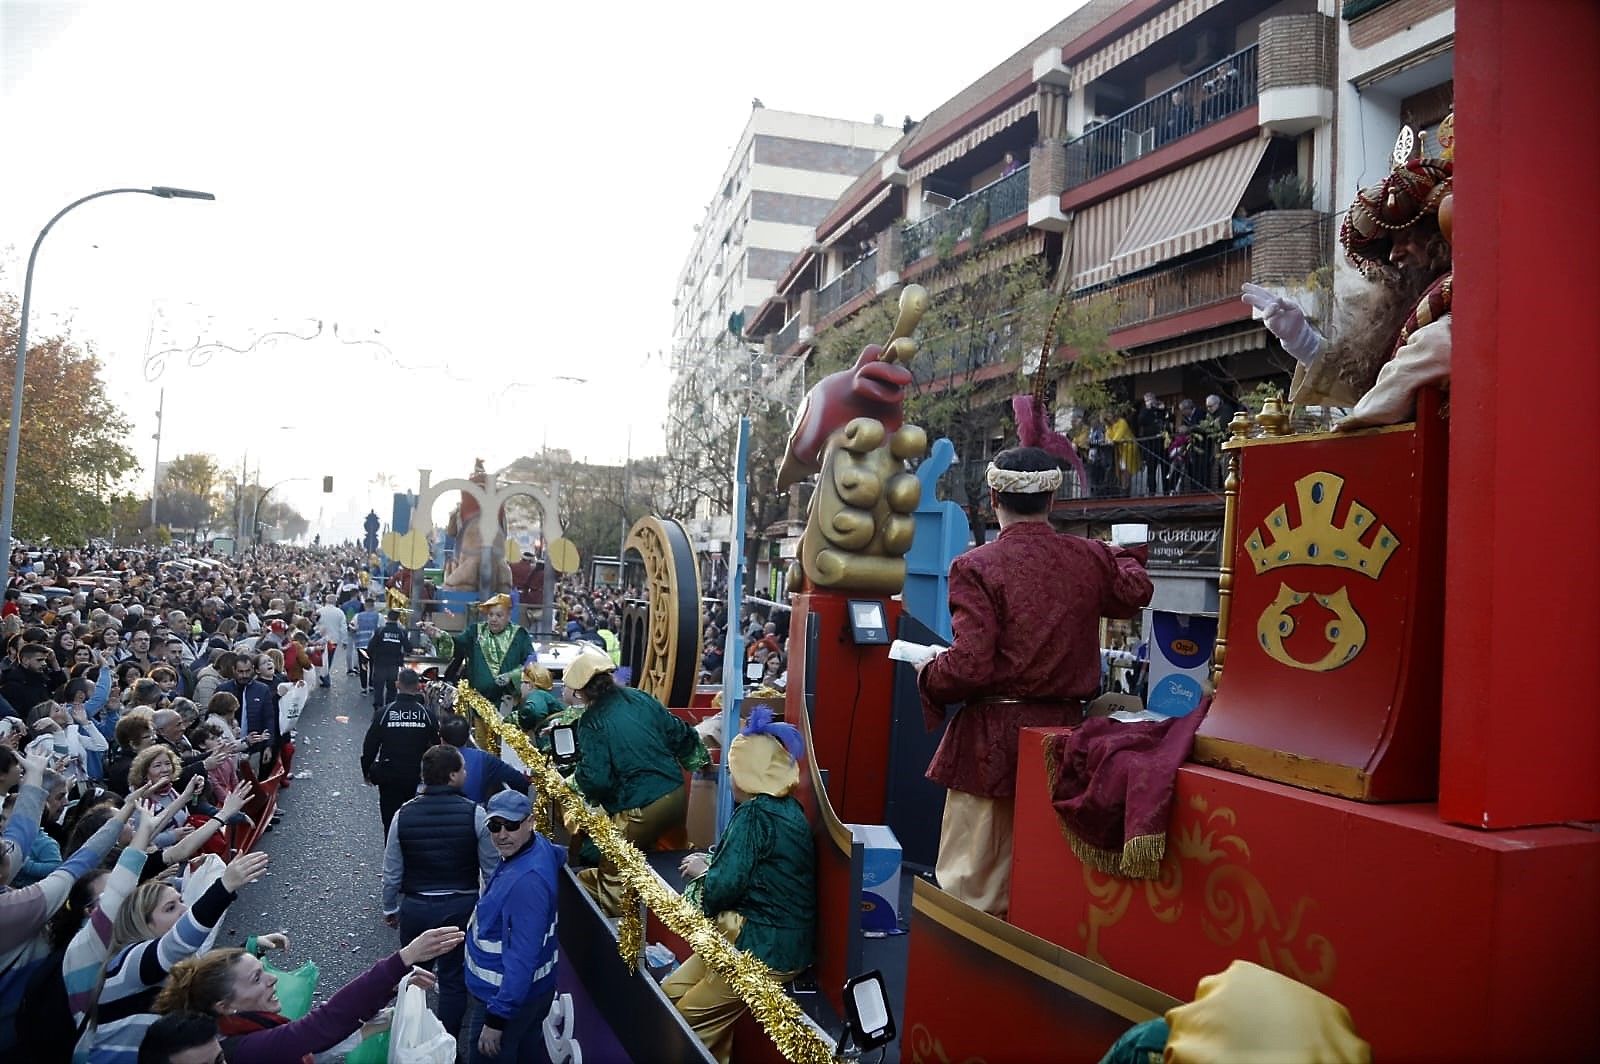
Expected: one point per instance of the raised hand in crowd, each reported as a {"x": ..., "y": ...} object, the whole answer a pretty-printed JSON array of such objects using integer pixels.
[{"x": 246, "y": 869}]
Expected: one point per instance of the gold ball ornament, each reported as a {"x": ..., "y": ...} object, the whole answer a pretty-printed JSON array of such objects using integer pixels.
[
  {"x": 410, "y": 550},
  {"x": 563, "y": 555}
]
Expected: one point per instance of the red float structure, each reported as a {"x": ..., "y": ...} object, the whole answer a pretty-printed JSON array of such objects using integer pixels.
[{"x": 1383, "y": 804}]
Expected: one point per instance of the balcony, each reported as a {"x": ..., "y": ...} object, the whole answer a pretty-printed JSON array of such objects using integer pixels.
[
  {"x": 1198, "y": 283},
  {"x": 1205, "y": 99},
  {"x": 861, "y": 276},
  {"x": 787, "y": 337},
  {"x": 1148, "y": 468},
  {"x": 990, "y": 205},
  {"x": 1155, "y": 468}
]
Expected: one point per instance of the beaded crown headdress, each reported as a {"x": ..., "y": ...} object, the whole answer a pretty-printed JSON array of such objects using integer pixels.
[{"x": 1411, "y": 192}]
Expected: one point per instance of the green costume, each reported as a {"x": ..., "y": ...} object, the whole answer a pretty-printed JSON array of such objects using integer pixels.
[
  {"x": 538, "y": 708},
  {"x": 763, "y": 869},
  {"x": 493, "y": 663},
  {"x": 1144, "y": 1043},
  {"x": 633, "y": 751}
]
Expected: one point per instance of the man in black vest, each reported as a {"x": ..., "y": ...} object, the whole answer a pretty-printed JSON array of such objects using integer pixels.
[
  {"x": 400, "y": 733},
  {"x": 438, "y": 844},
  {"x": 386, "y": 652}
]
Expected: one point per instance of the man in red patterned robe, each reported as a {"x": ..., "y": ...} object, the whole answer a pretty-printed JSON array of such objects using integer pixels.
[{"x": 1025, "y": 611}]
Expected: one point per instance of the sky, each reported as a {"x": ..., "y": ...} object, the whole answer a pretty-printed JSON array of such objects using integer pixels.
[{"x": 466, "y": 219}]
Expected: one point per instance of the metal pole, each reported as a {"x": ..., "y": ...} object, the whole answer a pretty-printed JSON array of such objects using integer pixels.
[
  {"x": 733, "y": 655},
  {"x": 155, "y": 475},
  {"x": 244, "y": 475},
  {"x": 13, "y": 432},
  {"x": 622, "y": 542}
]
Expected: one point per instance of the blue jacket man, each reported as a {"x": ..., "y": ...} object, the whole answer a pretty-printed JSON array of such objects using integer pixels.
[
  {"x": 258, "y": 702},
  {"x": 511, "y": 939},
  {"x": 486, "y": 774}
]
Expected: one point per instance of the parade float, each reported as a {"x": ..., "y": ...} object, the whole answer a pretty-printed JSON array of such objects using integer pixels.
[{"x": 1381, "y": 802}]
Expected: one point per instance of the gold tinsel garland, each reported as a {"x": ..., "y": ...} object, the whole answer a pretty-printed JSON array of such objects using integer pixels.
[{"x": 752, "y": 980}]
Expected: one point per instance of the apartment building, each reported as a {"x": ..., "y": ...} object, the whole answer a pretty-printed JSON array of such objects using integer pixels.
[
  {"x": 1154, "y": 155},
  {"x": 783, "y": 177}
]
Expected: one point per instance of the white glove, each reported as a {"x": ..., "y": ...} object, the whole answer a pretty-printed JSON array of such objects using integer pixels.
[{"x": 1285, "y": 320}]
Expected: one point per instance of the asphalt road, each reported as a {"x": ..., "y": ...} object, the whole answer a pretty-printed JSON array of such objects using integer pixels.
[{"x": 326, "y": 876}]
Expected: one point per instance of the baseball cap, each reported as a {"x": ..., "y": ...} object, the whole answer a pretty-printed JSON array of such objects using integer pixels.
[
  {"x": 277, "y": 626},
  {"x": 509, "y": 805},
  {"x": 590, "y": 660}
]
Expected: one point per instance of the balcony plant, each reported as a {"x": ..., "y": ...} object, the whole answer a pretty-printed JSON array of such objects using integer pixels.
[{"x": 1290, "y": 192}]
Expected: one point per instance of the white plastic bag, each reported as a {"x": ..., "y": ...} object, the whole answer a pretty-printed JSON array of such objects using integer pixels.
[
  {"x": 291, "y": 701},
  {"x": 415, "y": 1034}
]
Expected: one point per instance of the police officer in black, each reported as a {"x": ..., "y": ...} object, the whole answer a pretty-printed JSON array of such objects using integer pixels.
[
  {"x": 386, "y": 652},
  {"x": 401, "y": 732},
  {"x": 438, "y": 845}
]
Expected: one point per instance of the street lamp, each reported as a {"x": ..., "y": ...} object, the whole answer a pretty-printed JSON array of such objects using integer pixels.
[
  {"x": 255, "y": 516},
  {"x": 12, "y": 443}
]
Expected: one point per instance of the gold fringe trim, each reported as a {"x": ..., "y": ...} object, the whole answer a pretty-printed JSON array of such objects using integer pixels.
[
  {"x": 752, "y": 980},
  {"x": 1139, "y": 858}
]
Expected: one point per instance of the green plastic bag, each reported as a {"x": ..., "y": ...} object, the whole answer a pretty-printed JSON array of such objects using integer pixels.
[
  {"x": 295, "y": 988},
  {"x": 374, "y": 1050}
]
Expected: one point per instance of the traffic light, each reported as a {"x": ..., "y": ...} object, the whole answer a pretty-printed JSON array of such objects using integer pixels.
[{"x": 327, "y": 485}]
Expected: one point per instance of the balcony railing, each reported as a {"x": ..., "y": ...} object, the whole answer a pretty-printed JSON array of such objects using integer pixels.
[
  {"x": 860, "y": 276},
  {"x": 787, "y": 336},
  {"x": 990, "y": 205},
  {"x": 1185, "y": 463},
  {"x": 1193, "y": 104},
  {"x": 1172, "y": 464},
  {"x": 1199, "y": 283}
]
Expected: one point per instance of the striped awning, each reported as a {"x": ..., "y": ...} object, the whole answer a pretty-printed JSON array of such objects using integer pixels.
[
  {"x": 871, "y": 204},
  {"x": 1188, "y": 209},
  {"x": 1137, "y": 40},
  {"x": 976, "y": 136},
  {"x": 1169, "y": 354},
  {"x": 1097, "y": 231}
]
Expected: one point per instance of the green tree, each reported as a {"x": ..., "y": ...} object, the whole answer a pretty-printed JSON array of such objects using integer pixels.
[
  {"x": 978, "y": 343},
  {"x": 73, "y": 448}
]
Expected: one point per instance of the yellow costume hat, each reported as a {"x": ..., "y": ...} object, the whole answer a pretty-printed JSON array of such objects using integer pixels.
[
  {"x": 1249, "y": 1013},
  {"x": 590, "y": 660},
  {"x": 502, "y": 600},
  {"x": 763, "y": 757},
  {"x": 537, "y": 675}
]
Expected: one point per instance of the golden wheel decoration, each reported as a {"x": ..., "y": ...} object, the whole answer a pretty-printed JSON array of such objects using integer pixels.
[{"x": 672, "y": 652}]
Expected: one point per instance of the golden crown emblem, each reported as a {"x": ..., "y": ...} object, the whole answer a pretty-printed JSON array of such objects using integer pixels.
[{"x": 1316, "y": 540}]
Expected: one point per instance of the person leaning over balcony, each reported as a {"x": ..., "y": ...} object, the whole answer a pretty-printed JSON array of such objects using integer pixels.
[
  {"x": 1180, "y": 117},
  {"x": 1151, "y": 426},
  {"x": 1032, "y": 579},
  {"x": 759, "y": 884}
]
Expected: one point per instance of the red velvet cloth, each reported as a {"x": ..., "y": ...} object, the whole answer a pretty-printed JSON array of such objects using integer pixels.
[
  {"x": 1115, "y": 781},
  {"x": 1025, "y": 612}
]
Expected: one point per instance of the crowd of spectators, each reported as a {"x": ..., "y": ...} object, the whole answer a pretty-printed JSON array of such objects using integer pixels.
[
  {"x": 1152, "y": 449},
  {"x": 148, "y": 705}
]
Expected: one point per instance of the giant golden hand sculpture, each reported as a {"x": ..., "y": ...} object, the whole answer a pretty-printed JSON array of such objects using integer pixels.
[{"x": 851, "y": 429}]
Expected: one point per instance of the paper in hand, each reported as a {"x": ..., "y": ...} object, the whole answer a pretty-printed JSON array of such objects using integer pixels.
[{"x": 913, "y": 653}]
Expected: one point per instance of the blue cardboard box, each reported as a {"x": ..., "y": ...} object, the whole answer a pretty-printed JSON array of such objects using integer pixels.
[{"x": 880, "y": 878}]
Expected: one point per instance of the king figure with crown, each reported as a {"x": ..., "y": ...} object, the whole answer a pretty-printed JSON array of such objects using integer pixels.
[
  {"x": 1392, "y": 336},
  {"x": 1331, "y": 594}
]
